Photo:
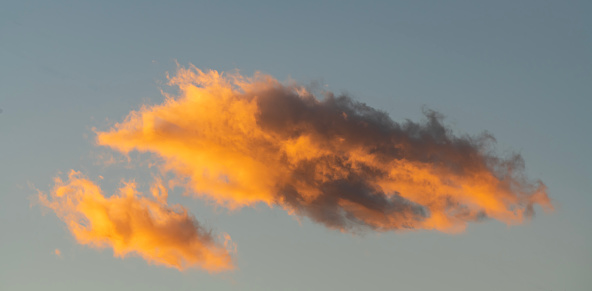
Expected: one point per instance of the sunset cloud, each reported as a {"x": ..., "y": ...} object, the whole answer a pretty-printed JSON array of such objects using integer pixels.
[
  {"x": 132, "y": 224},
  {"x": 239, "y": 141}
]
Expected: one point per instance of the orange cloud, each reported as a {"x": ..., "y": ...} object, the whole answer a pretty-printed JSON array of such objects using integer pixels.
[
  {"x": 240, "y": 141},
  {"x": 132, "y": 224}
]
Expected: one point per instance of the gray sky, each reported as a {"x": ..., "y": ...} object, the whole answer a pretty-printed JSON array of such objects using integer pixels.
[{"x": 519, "y": 69}]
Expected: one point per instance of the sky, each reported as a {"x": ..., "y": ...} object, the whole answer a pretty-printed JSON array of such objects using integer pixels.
[{"x": 209, "y": 130}]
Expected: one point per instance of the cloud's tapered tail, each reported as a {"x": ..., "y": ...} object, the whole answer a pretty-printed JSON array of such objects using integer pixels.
[
  {"x": 132, "y": 224},
  {"x": 240, "y": 141}
]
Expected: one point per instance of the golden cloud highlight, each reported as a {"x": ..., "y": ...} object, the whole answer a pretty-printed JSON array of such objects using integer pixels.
[
  {"x": 129, "y": 223},
  {"x": 244, "y": 140}
]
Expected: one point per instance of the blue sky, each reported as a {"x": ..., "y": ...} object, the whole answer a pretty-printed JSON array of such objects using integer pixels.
[{"x": 519, "y": 69}]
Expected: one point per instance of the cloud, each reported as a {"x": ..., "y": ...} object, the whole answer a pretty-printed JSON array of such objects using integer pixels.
[
  {"x": 240, "y": 141},
  {"x": 131, "y": 224}
]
